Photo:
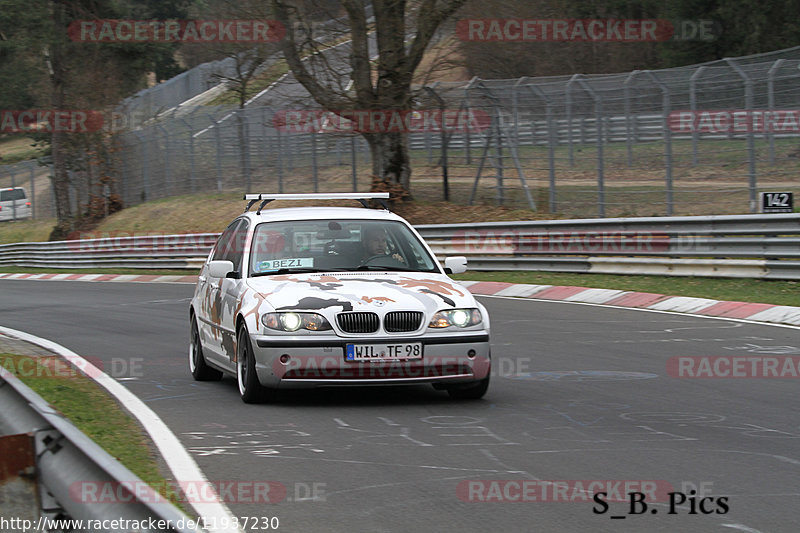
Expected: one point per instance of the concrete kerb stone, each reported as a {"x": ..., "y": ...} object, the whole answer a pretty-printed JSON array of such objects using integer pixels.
[
  {"x": 595, "y": 296},
  {"x": 780, "y": 314},
  {"x": 522, "y": 290},
  {"x": 683, "y": 304}
]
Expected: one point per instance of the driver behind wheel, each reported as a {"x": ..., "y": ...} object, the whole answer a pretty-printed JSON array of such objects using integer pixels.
[{"x": 374, "y": 243}]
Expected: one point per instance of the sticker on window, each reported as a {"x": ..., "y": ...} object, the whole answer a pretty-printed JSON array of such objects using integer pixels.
[{"x": 277, "y": 264}]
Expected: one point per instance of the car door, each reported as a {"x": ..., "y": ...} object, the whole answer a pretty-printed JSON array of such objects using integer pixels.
[{"x": 210, "y": 309}]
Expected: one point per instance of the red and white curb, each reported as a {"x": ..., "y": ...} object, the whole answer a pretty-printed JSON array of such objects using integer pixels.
[
  {"x": 103, "y": 277},
  {"x": 775, "y": 314}
]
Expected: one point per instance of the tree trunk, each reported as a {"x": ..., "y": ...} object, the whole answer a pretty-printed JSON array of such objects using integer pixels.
[
  {"x": 390, "y": 162},
  {"x": 60, "y": 181},
  {"x": 375, "y": 85},
  {"x": 60, "y": 176}
]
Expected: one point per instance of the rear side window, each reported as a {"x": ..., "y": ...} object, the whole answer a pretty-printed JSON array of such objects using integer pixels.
[
  {"x": 223, "y": 244},
  {"x": 236, "y": 245},
  {"x": 8, "y": 195}
]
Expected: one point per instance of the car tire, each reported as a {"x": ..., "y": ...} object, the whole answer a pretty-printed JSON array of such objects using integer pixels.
[
  {"x": 250, "y": 389},
  {"x": 197, "y": 362},
  {"x": 473, "y": 391}
]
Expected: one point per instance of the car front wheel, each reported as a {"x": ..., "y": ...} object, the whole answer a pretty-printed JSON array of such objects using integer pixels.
[
  {"x": 250, "y": 389},
  {"x": 197, "y": 363}
]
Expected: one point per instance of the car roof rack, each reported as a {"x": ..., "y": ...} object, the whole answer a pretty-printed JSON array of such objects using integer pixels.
[{"x": 361, "y": 197}]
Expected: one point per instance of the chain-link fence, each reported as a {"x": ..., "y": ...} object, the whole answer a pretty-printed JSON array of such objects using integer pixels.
[
  {"x": 174, "y": 91},
  {"x": 641, "y": 143},
  {"x": 577, "y": 146},
  {"x": 35, "y": 180},
  {"x": 219, "y": 148}
]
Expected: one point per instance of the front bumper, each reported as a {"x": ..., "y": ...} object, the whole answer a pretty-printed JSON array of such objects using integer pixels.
[{"x": 318, "y": 362}]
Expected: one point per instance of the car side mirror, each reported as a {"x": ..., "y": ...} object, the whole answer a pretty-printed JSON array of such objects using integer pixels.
[
  {"x": 455, "y": 265},
  {"x": 219, "y": 269}
]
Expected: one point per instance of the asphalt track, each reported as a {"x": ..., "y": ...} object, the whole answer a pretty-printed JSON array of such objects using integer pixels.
[{"x": 579, "y": 393}]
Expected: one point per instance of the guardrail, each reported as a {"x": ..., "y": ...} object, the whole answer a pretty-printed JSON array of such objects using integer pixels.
[
  {"x": 65, "y": 458},
  {"x": 183, "y": 251},
  {"x": 752, "y": 246}
]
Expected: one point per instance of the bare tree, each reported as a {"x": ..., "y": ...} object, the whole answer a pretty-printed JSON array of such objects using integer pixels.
[{"x": 403, "y": 30}]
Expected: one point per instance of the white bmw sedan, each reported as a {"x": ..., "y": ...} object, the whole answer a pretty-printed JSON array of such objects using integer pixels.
[{"x": 333, "y": 296}]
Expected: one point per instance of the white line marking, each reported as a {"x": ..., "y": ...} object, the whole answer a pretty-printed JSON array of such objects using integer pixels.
[
  {"x": 174, "y": 454},
  {"x": 399, "y": 465},
  {"x": 741, "y": 527},
  {"x": 673, "y": 313}
]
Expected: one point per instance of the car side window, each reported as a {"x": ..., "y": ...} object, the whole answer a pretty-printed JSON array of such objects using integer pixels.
[
  {"x": 223, "y": 244},
  {"x": 237, "y": 244}
]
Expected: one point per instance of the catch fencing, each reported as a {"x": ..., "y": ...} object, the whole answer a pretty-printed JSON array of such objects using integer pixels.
[
  {"x": 576, "y": 146},
  {"x": 745, "y": 246},
  {"x": 171, "y": 93},
  {"x": 35, "y": 179},
  {"x": 582, "y": 145}
]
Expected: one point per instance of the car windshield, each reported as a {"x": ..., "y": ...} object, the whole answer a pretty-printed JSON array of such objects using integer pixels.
[{"x": 335, "y": 246}]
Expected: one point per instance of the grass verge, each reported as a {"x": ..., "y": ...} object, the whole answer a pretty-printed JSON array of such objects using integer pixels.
[
  {"x": 14, "y": 148},
  {"x": 26, "y": 231},
  {"x": 776, "y": 292}
]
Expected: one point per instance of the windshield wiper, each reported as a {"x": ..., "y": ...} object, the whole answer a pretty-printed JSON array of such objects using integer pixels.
[{"x": 386, "y": 268}]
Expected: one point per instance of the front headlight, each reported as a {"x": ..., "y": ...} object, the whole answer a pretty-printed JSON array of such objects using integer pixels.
[
  {"x": 461, "y": 318},
  {"x": 294, "y": 321}
]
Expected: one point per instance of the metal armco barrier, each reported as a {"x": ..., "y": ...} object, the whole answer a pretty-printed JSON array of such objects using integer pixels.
[
  {"x": 746, "y": 246},
  {"x": 185, "y": 251},
  {"x": 751, "y": 246},
  {"x": 65, "y": 457}
]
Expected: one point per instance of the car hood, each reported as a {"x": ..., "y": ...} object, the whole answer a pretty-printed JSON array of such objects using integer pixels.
[{"x": 361, "y": 291}]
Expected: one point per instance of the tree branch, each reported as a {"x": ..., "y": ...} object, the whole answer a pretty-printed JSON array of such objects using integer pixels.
[
  {"x": 429, "y": 18},
  {"x": 323, "y": 95}
]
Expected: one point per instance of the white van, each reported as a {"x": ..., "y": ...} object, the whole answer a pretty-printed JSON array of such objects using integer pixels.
[{"x": 14, "y": 204}]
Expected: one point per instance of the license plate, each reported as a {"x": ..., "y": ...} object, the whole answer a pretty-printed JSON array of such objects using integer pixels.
[{"x": 383, "y": 352}]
